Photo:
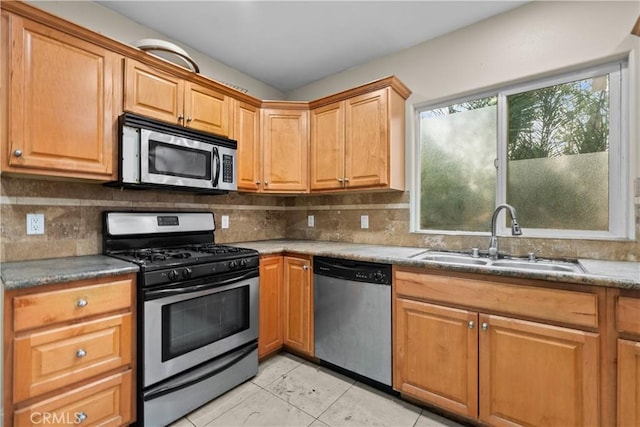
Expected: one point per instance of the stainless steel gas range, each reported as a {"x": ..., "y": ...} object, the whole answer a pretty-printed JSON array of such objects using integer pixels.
[{"x": 197, "y": 309}]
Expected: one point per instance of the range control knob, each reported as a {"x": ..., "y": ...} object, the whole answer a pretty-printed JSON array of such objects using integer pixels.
[
  {"x": 173, "y": 275},
  {"x": 243, "y": 263},
  {"x": 233, "y": 265},
  {"x": 187, "y": 272}
]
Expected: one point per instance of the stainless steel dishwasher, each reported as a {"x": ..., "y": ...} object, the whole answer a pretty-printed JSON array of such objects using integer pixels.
[{"x": 352, "y": 316}]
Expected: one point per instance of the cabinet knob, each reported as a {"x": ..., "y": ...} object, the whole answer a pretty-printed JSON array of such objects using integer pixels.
[
  {"x": 81, "y": 417},
  {"x": 17, "y": 153},
  {"x": 266, "y": 183},
  {"x": 485, "y": 326},
  {"x": 305, "y": 267},
  {"x": 189, "y": 119},
  {"x": 180, "y": 117},
  {"x": 346, "y": 180},
  {"x": 81, "y": 353},
  {"x": 340, "y": 180},
  {"x": 82, "y": 303},
  {"x": 471, "y": 324},
  {"x": 258, "y": 182}
]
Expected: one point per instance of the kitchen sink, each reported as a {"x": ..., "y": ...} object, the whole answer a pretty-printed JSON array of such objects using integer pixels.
[{"x": 519, "y": 264}]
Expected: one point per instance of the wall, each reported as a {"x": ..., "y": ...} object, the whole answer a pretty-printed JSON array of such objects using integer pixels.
[{"x": 102, "y": 20}]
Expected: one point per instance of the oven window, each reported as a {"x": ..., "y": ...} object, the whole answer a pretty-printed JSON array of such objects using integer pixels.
[
  {"x": 194, "y": 323},
  {"x": 169, "y": 159}
]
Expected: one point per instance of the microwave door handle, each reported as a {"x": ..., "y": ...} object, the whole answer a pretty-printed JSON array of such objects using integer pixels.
[{"x": 216, "y": 177}]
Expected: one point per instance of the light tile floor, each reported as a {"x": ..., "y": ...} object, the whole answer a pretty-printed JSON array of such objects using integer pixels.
[{"x": 289, "y": 391}]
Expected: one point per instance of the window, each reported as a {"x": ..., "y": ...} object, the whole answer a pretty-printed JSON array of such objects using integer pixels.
[{"x": 555, "y": 149}]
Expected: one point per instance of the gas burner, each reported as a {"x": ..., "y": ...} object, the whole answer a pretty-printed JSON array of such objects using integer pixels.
[{"x": 212, "y": 248}]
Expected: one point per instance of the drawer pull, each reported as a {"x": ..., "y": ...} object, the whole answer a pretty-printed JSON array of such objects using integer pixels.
[
  {"x": 81, "y": 353},
  {"x": 81, "y": 417},
  {"x": 82, "y": 303}
]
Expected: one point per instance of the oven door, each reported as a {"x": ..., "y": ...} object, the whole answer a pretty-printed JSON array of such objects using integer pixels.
[
  {"x": 190, "y": 323},
  {"x": 173, "y": 160}
]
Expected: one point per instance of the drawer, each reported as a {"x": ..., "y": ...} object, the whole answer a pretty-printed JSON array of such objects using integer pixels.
[
  {"x": 42, "y": 309},
  {"x": 628, "y": 315},
  {"x": 106, "y": 402},
  {"x": 49, "y": 360},
  {"x": 553, "y": 305}
]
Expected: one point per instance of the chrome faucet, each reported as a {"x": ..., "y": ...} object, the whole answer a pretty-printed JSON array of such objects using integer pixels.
[{"x": 515, "y": 228}]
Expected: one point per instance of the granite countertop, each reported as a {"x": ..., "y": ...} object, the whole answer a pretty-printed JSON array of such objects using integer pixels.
[
  {"x": 624, "y": 275},
  {"x": 25, "y": 274}
]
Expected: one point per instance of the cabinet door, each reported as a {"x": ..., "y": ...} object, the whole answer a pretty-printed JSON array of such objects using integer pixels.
[
  {"x": 536, "y": 374},
  {"x": 327, "y": 147},
  {"x": 64, "y": 102},
  {"x": 246, "y": 131},
  {"x": 436, "y": 355},
  {"x": 298, "y": 303},
  {"x": 367, "y": 140},
  {"x": 628, "y": 383},
  {"x": 270, "y": 328},
  {"x": 206, "y": 110},
  {"x": 153, "y": 93},
  {"x": 285, "y": 150}
]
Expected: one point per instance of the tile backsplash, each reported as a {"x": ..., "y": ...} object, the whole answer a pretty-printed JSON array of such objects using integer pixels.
[{"x": 73, "y": 222}]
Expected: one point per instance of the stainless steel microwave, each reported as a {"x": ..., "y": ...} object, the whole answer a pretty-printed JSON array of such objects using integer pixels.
[{"x": 154, "y": 154}]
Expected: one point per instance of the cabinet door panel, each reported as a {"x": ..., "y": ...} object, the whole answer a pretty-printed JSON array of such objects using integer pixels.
[
  {"x": 246, "y": 131},
  {"x": 298, "y": 303},
  {"x": 436, "y": 355},
  {"x": 206, "y": 110},
  {"x": 628, "y": 383},
  {"x": 51, "y": 360},
  {"x": 285, "y": 144},
  {"x": 327, "y": 147},
  {"x": 152, "y": 93},
  {"x": 270, "y": 336},
  {"x": 536, "y": 374},
  {"x": 63, "y": 100},
  {"x": 367, "y": 140}
]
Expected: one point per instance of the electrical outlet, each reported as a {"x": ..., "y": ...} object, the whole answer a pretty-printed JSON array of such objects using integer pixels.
[
  {"x": 225, "y": 221},
  {"x": 311, "y": 221},
  {"x": 35, "y": 223},
  {"x": 364, "y": 221}
]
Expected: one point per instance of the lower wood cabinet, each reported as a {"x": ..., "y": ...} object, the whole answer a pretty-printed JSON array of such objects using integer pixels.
[
  {"x": 298, "y": 305},
  {"x": 70, "y": 352},
  {"x": 628, "y": 389},
  {"x": 270, "y": 337},
  {"x": 499, "y": 370},
  {"x": 286, "y": 305}
]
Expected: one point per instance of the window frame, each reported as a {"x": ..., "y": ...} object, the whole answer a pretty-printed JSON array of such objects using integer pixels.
[{"x": 621, "y": 219}]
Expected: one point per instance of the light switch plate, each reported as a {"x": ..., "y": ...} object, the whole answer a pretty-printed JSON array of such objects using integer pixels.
[
  {"x": 311, "y": 221},
  {"x": 35, "y": 223},
  {"x": 364, "y": 221},
  {"x": 225, "y": 221}
]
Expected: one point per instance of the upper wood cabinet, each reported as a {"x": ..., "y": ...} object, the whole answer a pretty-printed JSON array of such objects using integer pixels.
[
  {"x": 62, "y": 96},
  {"x": 358, "y": 142},
  {"x": 247, "y": 130},
  {"x": 285, "y": 147},
  {"x": 163, "y": 96}
]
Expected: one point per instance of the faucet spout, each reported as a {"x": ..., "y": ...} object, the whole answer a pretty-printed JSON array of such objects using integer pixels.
[{"x": 515, "y": 228}]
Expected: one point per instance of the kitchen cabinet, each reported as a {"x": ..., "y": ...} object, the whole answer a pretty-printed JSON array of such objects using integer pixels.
[
  {"x": 246, "y": 131},
  {"x": 358, "y": 142},
  {"x": 628, "y": 389},
  {"x": 270, "y": 338},
  {"x": 494, "y": 352},
  {"x": 172, "y": 99},
  {"x": 298, "y": 305},
  {"x": 70, "y": 352},
  {"x": 61, "y": 100},
  {"x": 285, "y": 146}
]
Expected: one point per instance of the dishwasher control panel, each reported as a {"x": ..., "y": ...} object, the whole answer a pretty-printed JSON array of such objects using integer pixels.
[{"x": 360, "y": 271}]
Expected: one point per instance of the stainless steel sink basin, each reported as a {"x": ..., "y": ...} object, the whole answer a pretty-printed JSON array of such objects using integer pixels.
[
  {"x": 455, "y": 258},
  {"x": 551, "y": 266},
  {"x": 451, "y": 258}
]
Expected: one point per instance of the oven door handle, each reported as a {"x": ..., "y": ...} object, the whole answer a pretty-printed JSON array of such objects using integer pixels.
[
  {"x": 199, "y": 375},
  {"x": 152, "y": 293}
]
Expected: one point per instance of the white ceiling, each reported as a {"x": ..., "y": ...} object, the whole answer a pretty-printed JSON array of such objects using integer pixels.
[{"x": 289, "y": 44}]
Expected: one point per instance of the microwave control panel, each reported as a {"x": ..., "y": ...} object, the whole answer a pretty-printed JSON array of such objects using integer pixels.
[{"x": 227, "y": 168}]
